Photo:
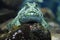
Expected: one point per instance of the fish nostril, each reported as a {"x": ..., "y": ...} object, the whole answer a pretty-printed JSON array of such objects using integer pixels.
[{"x": 32, "y": 13}]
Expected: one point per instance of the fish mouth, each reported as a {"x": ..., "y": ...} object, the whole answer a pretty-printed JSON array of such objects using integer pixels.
[
  {"x": 31, "y": 17},
  {"x": 30, "y": 20}
]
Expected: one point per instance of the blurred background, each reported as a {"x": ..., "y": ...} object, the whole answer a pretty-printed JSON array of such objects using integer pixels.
[{"x": 49, "y": 8}]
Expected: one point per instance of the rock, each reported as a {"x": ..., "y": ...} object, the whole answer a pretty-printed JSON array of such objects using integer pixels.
[
  {"x": 6, "y": 14},
  {"x": 12, "y": 3}
]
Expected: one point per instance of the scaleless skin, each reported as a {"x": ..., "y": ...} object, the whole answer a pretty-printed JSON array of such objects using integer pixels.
[{"x": 30, "y": 12}]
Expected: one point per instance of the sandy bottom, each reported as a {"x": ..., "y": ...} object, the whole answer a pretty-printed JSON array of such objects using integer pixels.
[{"x": 55, "y": 36}]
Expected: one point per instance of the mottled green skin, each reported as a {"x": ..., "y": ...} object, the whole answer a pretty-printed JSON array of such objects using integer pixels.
[{"x": 29, "y": 11}]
